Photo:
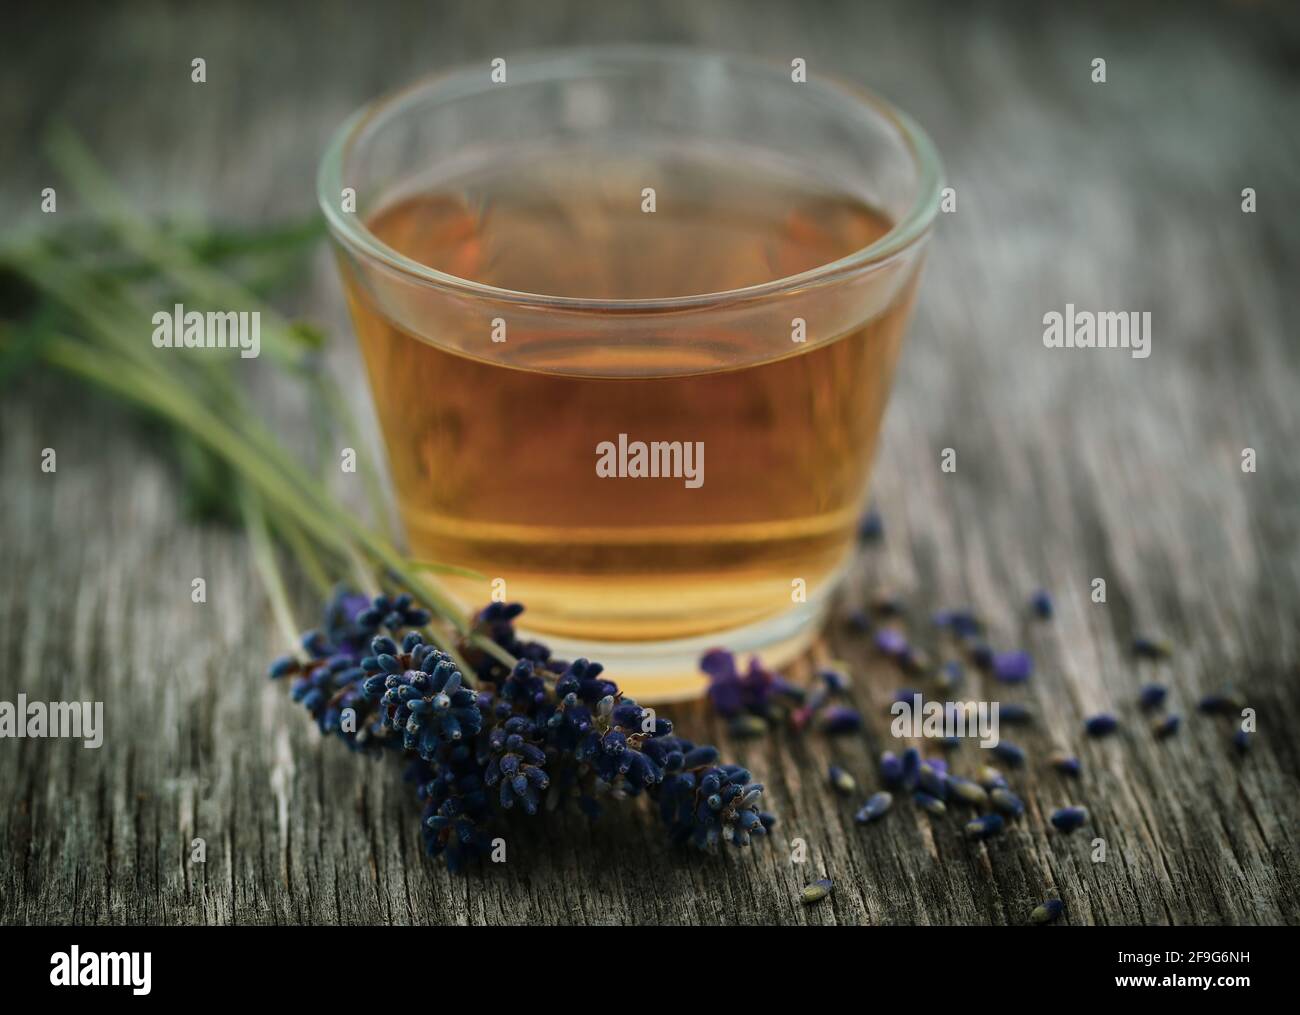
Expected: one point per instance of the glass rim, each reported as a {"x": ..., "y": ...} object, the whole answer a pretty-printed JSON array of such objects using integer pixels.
[{"x": 467, "y": 79}]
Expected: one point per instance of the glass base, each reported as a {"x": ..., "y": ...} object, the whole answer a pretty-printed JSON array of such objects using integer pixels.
[{"x": 667, "y": 671}]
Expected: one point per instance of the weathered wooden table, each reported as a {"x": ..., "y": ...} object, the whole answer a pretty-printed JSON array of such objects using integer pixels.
[{"x": 1071, "y": 465}]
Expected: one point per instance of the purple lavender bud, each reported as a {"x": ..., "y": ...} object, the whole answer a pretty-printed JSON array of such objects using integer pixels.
[
  {"x": 891, "y": 642},
  {"x": 1067, "y": 819},
  {"x": 911, "y": 768},
  {"x": 871, "y": 527},
  {"x": 725, "y": 690},
  {"x": 1165, "y": 726},
  {"x": 283, "y": 666},
  {"x": 933, "y": 781},
  {"x": 842, "y": 782},
  {"x": 930, "y": 804},
  {"x": 841, "y": 719},
  {"x": 985, "y": 827},
  {"x": 1151, "y": 648},
  {"x": 891, "y": 770},
  {"x": 876, "y": 807},
  {"x": 1006, "y": 802},
  {"x": 1009, "y": 752},
  {"x": 816, "y": 891},
  {"x": 1013, "y": 667},
  {"x": 1100, "y": 725},
  {"x": 962, "y": 623},
  {"x": 1041, "y": 603},
  {"x": 1224, "y": 702},
  {"x": 700, "y": 756}
]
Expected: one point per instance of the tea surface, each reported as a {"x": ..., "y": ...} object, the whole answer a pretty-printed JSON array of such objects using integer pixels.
[{"x": 495, "y": 455}]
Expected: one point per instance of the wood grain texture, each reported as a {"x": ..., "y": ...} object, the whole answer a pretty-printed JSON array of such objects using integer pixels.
[{"x": 1071, "y": 466}]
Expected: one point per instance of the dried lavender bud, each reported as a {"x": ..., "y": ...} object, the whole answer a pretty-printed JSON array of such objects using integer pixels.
[
  {"x": 1013, "y": 667},
  {"x": 933, "y": 781},
  {"x": 970, "y": 793},
  {"x": 963, "y": 624},
  {"x": 981, "y": 655},
  {"x": 1241, "y": 741},
  {"x": 930, "y": 804},
  {"x": 1165, "y": 726},
  {"x": 1009, "y": 752},
  {"x": 1041, "y": 603},
  {"x": 757, "y": 690},
  {"x": 725, "y": 691},
  {"x": 1226, "y": 701},
  {"x": 283, "y": 666},
  {"x": 1100, "y": 725},
  {"x": 891, "y": 770},
  {"x": 871, "y": 527},
  {"x": 1006, "y": 802},
  {"x": 1066, "y": 764},
  {"x": 891, "y": 642},
  {"x": 841, "y": 719},
  {"x": 1149, "y": 648},
  {"x": 816, "y": 891},
  {"x": 842, "y": 782},
  {"x": 984, "y": 827},
  {"x": 1047, "y": 912},
  {"x": 875, "y": 808},
  {"x": 990, "y": 778},
  {"x": 1067, "y": 819},
  {"x": 1015, "y": 712},
  {"x": 911, "y": 769}
]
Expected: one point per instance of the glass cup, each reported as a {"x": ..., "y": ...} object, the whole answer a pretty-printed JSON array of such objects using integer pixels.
[{"x": 630, "y": 317}]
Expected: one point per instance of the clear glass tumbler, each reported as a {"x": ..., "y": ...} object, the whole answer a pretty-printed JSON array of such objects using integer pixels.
[{"x": 630, "y": 317}]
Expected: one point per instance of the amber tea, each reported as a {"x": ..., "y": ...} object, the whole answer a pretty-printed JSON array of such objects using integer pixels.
[{"x": 636, "y": 386}]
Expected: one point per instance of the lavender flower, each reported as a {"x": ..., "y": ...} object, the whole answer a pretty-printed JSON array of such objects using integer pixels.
[
  {"x": 497, "y": 739},
  {"x": 731, "y": 692}
]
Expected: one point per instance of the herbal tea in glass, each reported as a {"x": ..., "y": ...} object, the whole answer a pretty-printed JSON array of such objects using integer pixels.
[{"x": 630, "y": 353}]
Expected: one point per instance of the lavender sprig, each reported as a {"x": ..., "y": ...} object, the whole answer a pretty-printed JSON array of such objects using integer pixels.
[{"x": 536, "y": 736}]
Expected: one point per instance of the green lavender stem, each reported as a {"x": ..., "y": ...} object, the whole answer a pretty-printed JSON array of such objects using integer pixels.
[{"x": 174, "y": 260}]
